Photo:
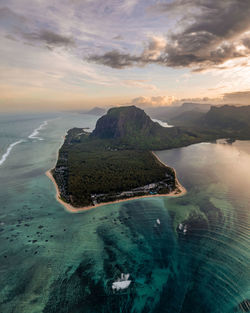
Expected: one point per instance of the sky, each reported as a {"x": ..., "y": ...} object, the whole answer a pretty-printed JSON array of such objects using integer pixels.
[{"x": 75, "y": 54}]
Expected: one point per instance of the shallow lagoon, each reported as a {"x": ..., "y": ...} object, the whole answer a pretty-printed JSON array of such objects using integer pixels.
[{"x": 53, "y": 261}]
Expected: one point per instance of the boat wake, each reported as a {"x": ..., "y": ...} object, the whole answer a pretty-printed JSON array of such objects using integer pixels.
[
  {"x": 35, "y": 134},
  {"x": 10, "y": 147}
]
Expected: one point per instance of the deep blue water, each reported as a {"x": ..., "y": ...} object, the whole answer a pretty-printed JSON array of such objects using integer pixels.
[{"x": 54, "y": 261}]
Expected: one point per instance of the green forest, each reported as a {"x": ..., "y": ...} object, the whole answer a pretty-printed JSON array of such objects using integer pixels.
[{"x": 91, "y": 166}]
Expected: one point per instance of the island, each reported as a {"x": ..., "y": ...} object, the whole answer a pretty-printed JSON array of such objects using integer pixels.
[{"x": 116, "y": 161}]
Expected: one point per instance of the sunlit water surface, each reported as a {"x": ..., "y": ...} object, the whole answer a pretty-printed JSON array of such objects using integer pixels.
[{"x": 54, "y": 261}]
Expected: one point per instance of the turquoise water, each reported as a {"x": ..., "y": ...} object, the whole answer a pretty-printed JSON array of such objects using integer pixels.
[{"x": 54, "y": 261}]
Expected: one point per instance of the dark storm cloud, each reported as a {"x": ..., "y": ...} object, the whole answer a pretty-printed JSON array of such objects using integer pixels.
[
  {"x": 210, "y": 35},
  {"x": 218, "y": 18},
  {"x": 50, "y": 38},
  {"x": 115, "y": 59}
]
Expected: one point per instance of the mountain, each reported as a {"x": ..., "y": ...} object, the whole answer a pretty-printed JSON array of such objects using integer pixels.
[
  {"x": 96, "y": 111},
  {"x": 191, "y": 106},
  {"x": 226, "y": 121},
  {"x": 162, "y": 113},
  {"x": 172, "y": 113},
  {"x": 187, "y": 118},
  {"x": 121, "y": 122},
  {"x": 115, "y": 161},
  {"x": 218, "y": 117},
  {"x": 133, "y": 128},
  {"x": 228, "y": 116}
]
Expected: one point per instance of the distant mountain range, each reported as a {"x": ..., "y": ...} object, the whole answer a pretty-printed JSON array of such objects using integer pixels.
[
  {"x": 169, "y": 112},
  {"x": 96, "y": 111},
  {"x": 227, "y": 119}
]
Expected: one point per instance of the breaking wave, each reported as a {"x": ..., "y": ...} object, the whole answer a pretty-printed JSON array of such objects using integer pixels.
[
  {"x": 10, "y": 147},
  {"x": 35, "y": 133}
]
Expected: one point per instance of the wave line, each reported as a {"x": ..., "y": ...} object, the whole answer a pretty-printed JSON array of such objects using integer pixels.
[
  {"x": 10, "y": 147},
  {"x": 35, "y": 133}
]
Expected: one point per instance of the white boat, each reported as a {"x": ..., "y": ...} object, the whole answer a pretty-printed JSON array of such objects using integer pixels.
[{"x": 121, "y": 283}]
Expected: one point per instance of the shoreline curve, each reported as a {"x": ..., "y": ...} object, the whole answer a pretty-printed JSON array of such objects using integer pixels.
[{"x": 73, "y": 209}]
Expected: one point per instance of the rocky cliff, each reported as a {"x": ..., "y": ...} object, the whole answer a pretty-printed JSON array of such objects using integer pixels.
[{"x": 124, "y": 122}]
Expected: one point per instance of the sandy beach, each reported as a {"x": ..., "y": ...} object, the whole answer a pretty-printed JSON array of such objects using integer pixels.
[
  {"x": 178, "y": 184},
  {"x": 72, "y": 209}
]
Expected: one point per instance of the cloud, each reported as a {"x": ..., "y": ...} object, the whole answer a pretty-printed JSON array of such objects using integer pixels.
[
  {"x": 213, "y": 32},
  {"x": 118, "y": 37},
  {"x": 119, "y": 60},
  {"x": 236, "y": 98},
  {"x": 246, "y": 42},
  {"x": 204, "y": 100},
  {"x": 239, "y": 97},
  {"x": 19, "y": 27},
  {"x": 153, "y": 50},
  {"x": 10, "y": 19},
  {"x": 46, "y": 44},
  {"x": 153, "y": 101},
  {"x": 128, "y": 5},
  {"x": 50, "y": 38},
  {"x": 139, "y": 83},
  {"x": 115, "y": 59}
]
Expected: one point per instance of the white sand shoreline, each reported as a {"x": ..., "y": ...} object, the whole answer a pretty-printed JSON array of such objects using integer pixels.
[{"x": 72, "y": 209}]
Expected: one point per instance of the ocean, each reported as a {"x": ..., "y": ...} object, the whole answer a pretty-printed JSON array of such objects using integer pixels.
[{"x": 52, "y": 261}]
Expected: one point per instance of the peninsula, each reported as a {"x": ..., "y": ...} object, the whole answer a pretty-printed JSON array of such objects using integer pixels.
[{"x": 115, "y": 162}]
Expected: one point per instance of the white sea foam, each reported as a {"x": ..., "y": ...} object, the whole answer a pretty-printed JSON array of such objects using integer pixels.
[
  {"x": 163, "y": 124},
  {"x": 35, "y": 133},
  {"x": 10, "y": 147}
]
